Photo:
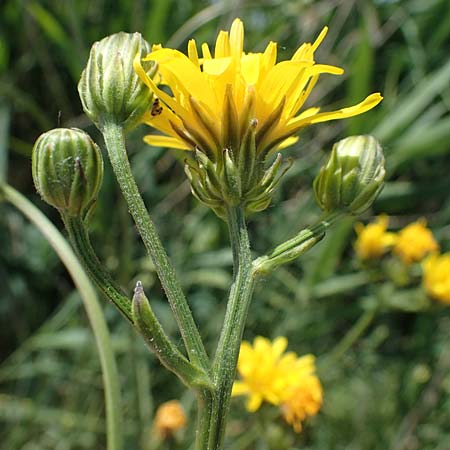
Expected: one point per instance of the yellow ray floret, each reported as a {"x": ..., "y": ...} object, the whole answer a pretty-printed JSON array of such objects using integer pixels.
[{"x": 219, "y": 92}]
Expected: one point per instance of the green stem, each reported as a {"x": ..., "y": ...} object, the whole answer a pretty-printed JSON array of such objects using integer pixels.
[
  {"x": 93, "y": 309},
  {"x": 225, "y": 361},
  {"x": 115, "y": 144},
  {"x": 205, "y": 404},
  {"x": 79, "y": 238}
]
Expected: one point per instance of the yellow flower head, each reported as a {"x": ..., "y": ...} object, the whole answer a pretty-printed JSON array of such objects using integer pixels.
[
  {"x": 436, "y": 276},
  {"x": 373, "y": 240},
  {"x": 414, "y": 242},
  {"x": 282, "y": 379},
  {"x": 304, "y": 400},
  {"x": 265, "y": 371},
  {"x": 170, "y": 417},
  {"x": 215, "y": 97},
  {"x": 232, "y": 108}
]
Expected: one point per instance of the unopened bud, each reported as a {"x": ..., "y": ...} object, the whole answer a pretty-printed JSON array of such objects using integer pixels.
[
  {"x": 353, "y": 176},
  {"x": 67, "y": 170},
  {"x": 110, "y": 90}
]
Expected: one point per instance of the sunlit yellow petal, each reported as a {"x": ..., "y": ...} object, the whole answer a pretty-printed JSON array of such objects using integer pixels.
[
  {"x": 157, "y": 140},
  {"x": 254, "y": 402},
  {"x": 177, "y": 108},
  {"x": 192, "y": 53},
  {"x": 222, "y": 48},
  {"x": 179, "y": 70},
  {"x": 162, "y": 121},
  {"x": 287, "y": 142},
  {"x": 269, "y": 56},
  {"x": 279, "y": 346},
  {"x": 279, "y": 79},
  {"x": 239, "y": 388},
  {"x": 205, "y": 51},
  {"x": 301, "y": 99},
  {"x": 370, "y": 102},
  {"x": 236, "y": 39},
  {"x": 216, "y": 66},
  {"x": 250, "y": 67},
  {"x": 319, "y": 38}
]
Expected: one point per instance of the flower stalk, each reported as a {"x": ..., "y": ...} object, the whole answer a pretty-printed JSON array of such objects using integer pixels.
[
  {"x": 225, "y": 360},
  {"x": 115, "y": 144},
  {"x": 79, "y": 238}
]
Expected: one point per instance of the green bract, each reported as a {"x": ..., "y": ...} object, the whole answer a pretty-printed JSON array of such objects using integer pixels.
[
  {"x": 235, "y": 177},
  {"x": 352, "y": 177},
  {"x": 67, "y": 170},
  {"x": 110, "y": 90}
]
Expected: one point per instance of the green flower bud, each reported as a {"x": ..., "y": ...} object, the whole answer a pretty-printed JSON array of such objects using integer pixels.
[
  {"x": 110, "y": 89},
  {"x": 67, "y": 170},
  {"x": 352, "y": 177}
]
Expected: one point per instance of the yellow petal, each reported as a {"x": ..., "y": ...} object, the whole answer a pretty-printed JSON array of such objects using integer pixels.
[
  {"x": 280, "y": 79},
  {"x": 250, "y": 67},
  {"x": 180, "y": 71},
  {"x": 279, "y": 346},
  {"x": 205, "y": 51},
  {"x": 287, "y": 142},
  {"x": 163, "y": 119},
  {"x": 222, "y": 48},
  {"x": 216, "y": 66},
  {"x": 319, "y": 39},
  {"x": 254, "y": 402},
  {"x": 270, "y": 56},
  {"x": 370, "y": 102},
  {"x": 151, "y": 84},
  {"x": 239, "y": 388},
  {"x": 236, "y": 39},
  {"x": 192, "y": 53},
  {"x": 157, "y": 140},
  {"x": 301, "y": 99}
]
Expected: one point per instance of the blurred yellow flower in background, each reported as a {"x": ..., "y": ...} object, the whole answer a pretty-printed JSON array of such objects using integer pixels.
[
  {"x": 265, "y": 371},
  {"x": 414, "y": 242},
  {"x": 436, "y": 276},
  {"x": 304, "y": 400},
  {"x": 170, "y": 417},
  {"x": 373, "y": 240},
  {"x": 282, "y": 379},
  {"x": 216, "y": 96}
]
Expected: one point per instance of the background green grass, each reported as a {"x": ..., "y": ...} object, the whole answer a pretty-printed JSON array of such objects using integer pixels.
[{"x": 390, "y": 389}]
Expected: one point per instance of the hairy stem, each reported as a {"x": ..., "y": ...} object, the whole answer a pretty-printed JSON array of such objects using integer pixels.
[
  {"x": 115, "y": 144},
  {"x": 225, "y": 361},
  {"x": 79, "y": 238}
]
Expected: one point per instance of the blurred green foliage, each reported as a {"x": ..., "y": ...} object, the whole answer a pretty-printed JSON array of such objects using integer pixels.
[{"x": 390, "y": 389}]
